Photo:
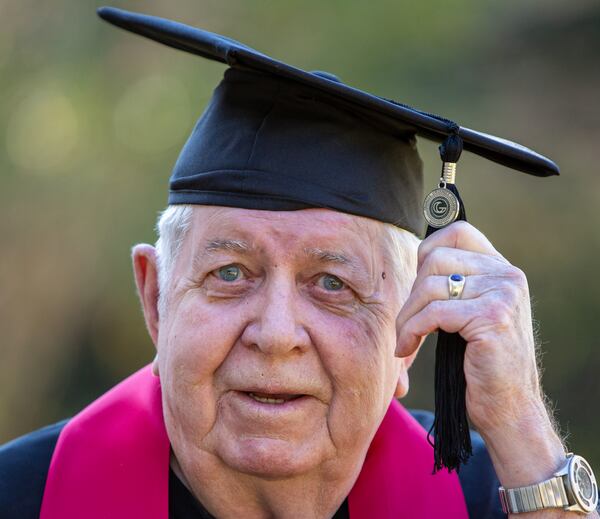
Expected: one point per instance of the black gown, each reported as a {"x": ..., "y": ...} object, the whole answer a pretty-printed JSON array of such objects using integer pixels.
[{"x": 24, "y": 465}]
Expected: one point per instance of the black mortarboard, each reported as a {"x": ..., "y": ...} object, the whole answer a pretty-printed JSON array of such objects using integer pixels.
[
  {"x": 346, "y": 149},
  {"x": 275, "y": 137}
]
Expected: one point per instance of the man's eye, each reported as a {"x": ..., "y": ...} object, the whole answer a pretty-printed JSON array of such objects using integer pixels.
[
  {"x": 332, "y": 283},
  {"x": 230, "y": 273}
]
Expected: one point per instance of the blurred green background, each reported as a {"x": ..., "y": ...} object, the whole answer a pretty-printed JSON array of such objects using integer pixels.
[{"x": 92, "y": 119}]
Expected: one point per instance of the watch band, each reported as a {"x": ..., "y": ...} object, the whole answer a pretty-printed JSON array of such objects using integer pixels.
[{"x": 547, "y": 494}]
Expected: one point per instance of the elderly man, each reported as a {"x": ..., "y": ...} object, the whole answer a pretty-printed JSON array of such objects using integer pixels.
[{"x": 287, "y": 297}]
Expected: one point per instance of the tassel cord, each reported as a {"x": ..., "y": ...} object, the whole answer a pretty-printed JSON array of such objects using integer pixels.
[{"x": 450, "y": 429}]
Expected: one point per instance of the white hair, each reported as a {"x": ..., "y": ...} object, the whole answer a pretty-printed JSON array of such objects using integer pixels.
[
  {"x": 404, "y": 246},
  {"x": 171, "y": 228},
  {"x": 174, "y": 222}
]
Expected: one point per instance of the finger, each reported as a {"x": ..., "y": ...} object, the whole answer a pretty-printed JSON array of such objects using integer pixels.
[
  {"x": 451, "y": 316},
  {"x": 444, "y": 261},
  {"x": 459, "y": 235},
  {"x": 435, "y": 288}
]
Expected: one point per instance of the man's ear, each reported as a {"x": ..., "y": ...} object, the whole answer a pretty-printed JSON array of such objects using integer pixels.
[
  {"x": 145, "y": 268},
  {"x": 406, "y": 362},
  {"x": 155, "y": 370},
  {"x": 402, "y": 383}
]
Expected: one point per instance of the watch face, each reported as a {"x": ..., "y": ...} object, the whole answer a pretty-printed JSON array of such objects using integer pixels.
[{"x": 583, "y": 484}]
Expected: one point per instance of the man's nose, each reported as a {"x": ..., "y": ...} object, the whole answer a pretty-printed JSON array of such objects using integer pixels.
[{"x": 277, "y": 326}]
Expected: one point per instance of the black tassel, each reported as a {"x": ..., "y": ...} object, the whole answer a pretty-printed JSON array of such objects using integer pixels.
[{"x": 450, "y": 429}]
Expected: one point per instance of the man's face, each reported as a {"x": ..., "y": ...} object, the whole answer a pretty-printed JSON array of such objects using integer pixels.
[{"x": 276, "y": 351}]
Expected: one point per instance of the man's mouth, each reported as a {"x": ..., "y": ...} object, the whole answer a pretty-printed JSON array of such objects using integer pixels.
[{"x": 269, "y": 398}]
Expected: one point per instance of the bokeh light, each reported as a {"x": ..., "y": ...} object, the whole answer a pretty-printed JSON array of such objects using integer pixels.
[
  {"x": 42, "y": 132},
  {"x": 150, "y": 115}
]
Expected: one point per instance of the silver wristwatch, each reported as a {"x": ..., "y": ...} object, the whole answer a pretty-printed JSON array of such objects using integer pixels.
[{"x": 572, "y": 488}]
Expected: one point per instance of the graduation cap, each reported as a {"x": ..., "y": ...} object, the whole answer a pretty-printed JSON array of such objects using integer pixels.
[{"x": 275, "y": 137}]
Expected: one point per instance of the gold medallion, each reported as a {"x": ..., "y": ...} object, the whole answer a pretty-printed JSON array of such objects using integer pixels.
[{"x": 441, "y": 207}]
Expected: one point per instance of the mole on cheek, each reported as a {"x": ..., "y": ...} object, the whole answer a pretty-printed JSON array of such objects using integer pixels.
[{"x": 383, "y": 275}]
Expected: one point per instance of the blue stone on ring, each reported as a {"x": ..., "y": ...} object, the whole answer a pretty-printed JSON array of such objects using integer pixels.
[{"x": 456, "y": 284}]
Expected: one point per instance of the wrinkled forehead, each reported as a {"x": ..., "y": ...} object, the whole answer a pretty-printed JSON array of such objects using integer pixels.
[{"x": 287, "y": 233}]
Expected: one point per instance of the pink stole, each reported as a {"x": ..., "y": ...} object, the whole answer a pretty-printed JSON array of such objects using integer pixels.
[{"x": 112, "y": 461}]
